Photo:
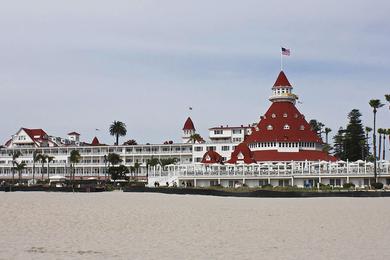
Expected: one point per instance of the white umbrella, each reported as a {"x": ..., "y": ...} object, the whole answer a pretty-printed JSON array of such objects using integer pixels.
[
  {"x": 359, "y": 161},
  {"x": 341, "y": 162}
]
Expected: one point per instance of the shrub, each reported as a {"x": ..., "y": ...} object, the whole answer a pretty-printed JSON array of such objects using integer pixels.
[
  {"x": 267, "y": 186},
  {"x": 377, "y": 185},
  {"x": 348, "y": 185}
]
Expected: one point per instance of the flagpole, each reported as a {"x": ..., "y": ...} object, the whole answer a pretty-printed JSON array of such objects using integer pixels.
[{"x": 281, "y": 61}]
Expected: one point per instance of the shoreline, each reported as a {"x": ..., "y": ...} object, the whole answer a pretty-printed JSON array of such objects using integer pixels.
[{"x": 260, "y": 193}]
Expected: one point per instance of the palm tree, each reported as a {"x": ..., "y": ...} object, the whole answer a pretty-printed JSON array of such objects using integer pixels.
[
  {"x": 367, "y": 130},
  {"x": 327, "y": 131},
  {"x": 49, "y": 160},
  {"x": 385, "y": 133},
  {"x": 42, "y": 158},
  {"x": 387, "y": 97},
  {"x": 19, "y": 168},
  {"x": 375, "y": 104},
  {"x": 114, "y": 159},
  {"x": 117, "y": 129},
  {"x": 151, "y": 162},
  {"x": 195, "y": 138},
  {"x": 15, "y": 156},
  {"x": 380, "y": 132},
  {"x": 74, "y": 158},
  {"x": 136, "y": 166},
  {"x": 35, "y": 160}
]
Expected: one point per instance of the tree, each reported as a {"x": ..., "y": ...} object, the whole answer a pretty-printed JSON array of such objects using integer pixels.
[
  {"x": 151, "y": 162},
  {"x": 316, "y": 126},
  {"x": 35, "y": 160},
  {"x": 118, "y": 172},
  {"x": 354, "y": 137},
  {"x": 367, "y": 130},
  {"x": 167, "y": 161},
  {"x": 42, "y": 159},
  {"x": 327, "y": 131},
  {"x": 339, "y": 144},
  {"x": 195, "y": 138},
  {"x": 386, "y": 132},
  {"x": 74, "y": 158},
  {"x": 114, "y": 159},
  {"x": 130, "y": 142},
  {"x": 380, "y": 132},
  {"x": 15, "y": 155},
  {"x": 387, "y": 97},
  {"x": 49, "y": 159},
  {"x": 117, "y": 129},
  {"x": 19, "y": 168},
  {"x": 375, "y": 104}
]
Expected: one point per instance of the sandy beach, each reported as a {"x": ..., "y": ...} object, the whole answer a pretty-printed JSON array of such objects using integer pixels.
[{"x": 156, "y": 226}]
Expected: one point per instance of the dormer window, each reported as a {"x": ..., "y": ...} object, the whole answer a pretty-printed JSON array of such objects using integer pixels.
[
  {"x": 286, "y": 127},
  {"x": 273, "y": 116},
  {"x": 302, "y": 127},
  {"x": 270, "y": 127},
  {"x": 285, "y": 115},
  {"x": 296, "y": 115}
]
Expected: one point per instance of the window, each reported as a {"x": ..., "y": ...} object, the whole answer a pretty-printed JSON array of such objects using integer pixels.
[
  {"x": 218, "y": 132},
  {"x": 285, "y": 115},
  {"x": 225, "y": 148},
  {"x": 237, "y": 131},
  {"x": 198, "y": 148},
  {"x": 270, "y": 127},
  {"x": 296, "y": 115},
  {"x": 211, "y": 148},
  {"x": 273, "y": 116},
  {"x": 302, "y": 127},
  {"x": 286, "y": 127}
]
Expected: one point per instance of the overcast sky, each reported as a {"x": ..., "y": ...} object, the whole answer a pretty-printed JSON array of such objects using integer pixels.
[{"x": 78, "y": 65}]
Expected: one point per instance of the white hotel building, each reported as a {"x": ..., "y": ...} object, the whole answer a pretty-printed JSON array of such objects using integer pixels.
[{"x": 281, "y": 149}]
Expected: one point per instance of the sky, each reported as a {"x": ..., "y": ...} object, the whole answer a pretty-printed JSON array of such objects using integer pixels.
[{"x": 78, "y": 65}]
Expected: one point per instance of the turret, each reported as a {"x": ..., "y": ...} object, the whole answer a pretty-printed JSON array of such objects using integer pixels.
[
  {"x": 282, "y": 90},
  {"x": 188, "y": 130}
]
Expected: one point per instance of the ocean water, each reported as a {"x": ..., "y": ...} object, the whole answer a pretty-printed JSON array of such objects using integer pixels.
[{"x": 116, "y": 225}]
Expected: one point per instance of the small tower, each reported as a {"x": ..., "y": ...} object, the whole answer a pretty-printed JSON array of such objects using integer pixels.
[
  {"x": 282, "y": 90},
  {"x": 188, "y": 130},
  {"x": 74, "y": 137}
]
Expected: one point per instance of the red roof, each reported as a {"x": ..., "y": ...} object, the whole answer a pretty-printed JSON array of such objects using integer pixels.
[
  {"x": 188, "y": 125},
  {"x": 95, "y": 141},
  {"x": 73, "y": 133},
  {"x": 282, "y": 81},
  {"x": 36, "y": 134},
  {"x": 212, "y": 157},
  {"x": 242, "y": 149},
  {"x": 274, "y": 155},
  {"x": 279, "y": 116}
]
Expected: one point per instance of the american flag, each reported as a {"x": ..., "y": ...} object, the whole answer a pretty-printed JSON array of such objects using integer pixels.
[{"x": 285, "y": 51}]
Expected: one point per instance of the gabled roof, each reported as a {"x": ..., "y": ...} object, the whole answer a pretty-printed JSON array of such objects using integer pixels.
[
  {"x": 95, "y": 141},
  {"x": 282, "y": 80},
  {"x": 242, "y": 149},
  {"x": 36, "y": 134},
  {"x": 212, "y": 157},
  {"x": 188, "y": 125},
  {"x": 73, "y": 133},
  {"x": 271, "y": 127}
]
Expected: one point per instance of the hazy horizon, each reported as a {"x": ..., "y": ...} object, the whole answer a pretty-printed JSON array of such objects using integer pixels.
[{"x": 79, "y": 65}]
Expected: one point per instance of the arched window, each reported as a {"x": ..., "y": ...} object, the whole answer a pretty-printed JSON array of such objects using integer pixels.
[
  {"x": 270, "y": 127},
  {"x": 285, "y": 115},
  {"x": 286, "y": 127},
  {"x": 273, "y": 115},
  {"x": 302, "y": 127}
]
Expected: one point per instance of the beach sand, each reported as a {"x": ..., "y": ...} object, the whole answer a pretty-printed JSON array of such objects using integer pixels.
[{"x": 38, "y": 225}]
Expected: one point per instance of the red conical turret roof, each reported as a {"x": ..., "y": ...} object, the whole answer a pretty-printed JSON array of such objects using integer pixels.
[
  {"x": 188, "y": 125},
  {"x": 282, "y": 81},
  {"x": 95, "y": 141}
]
